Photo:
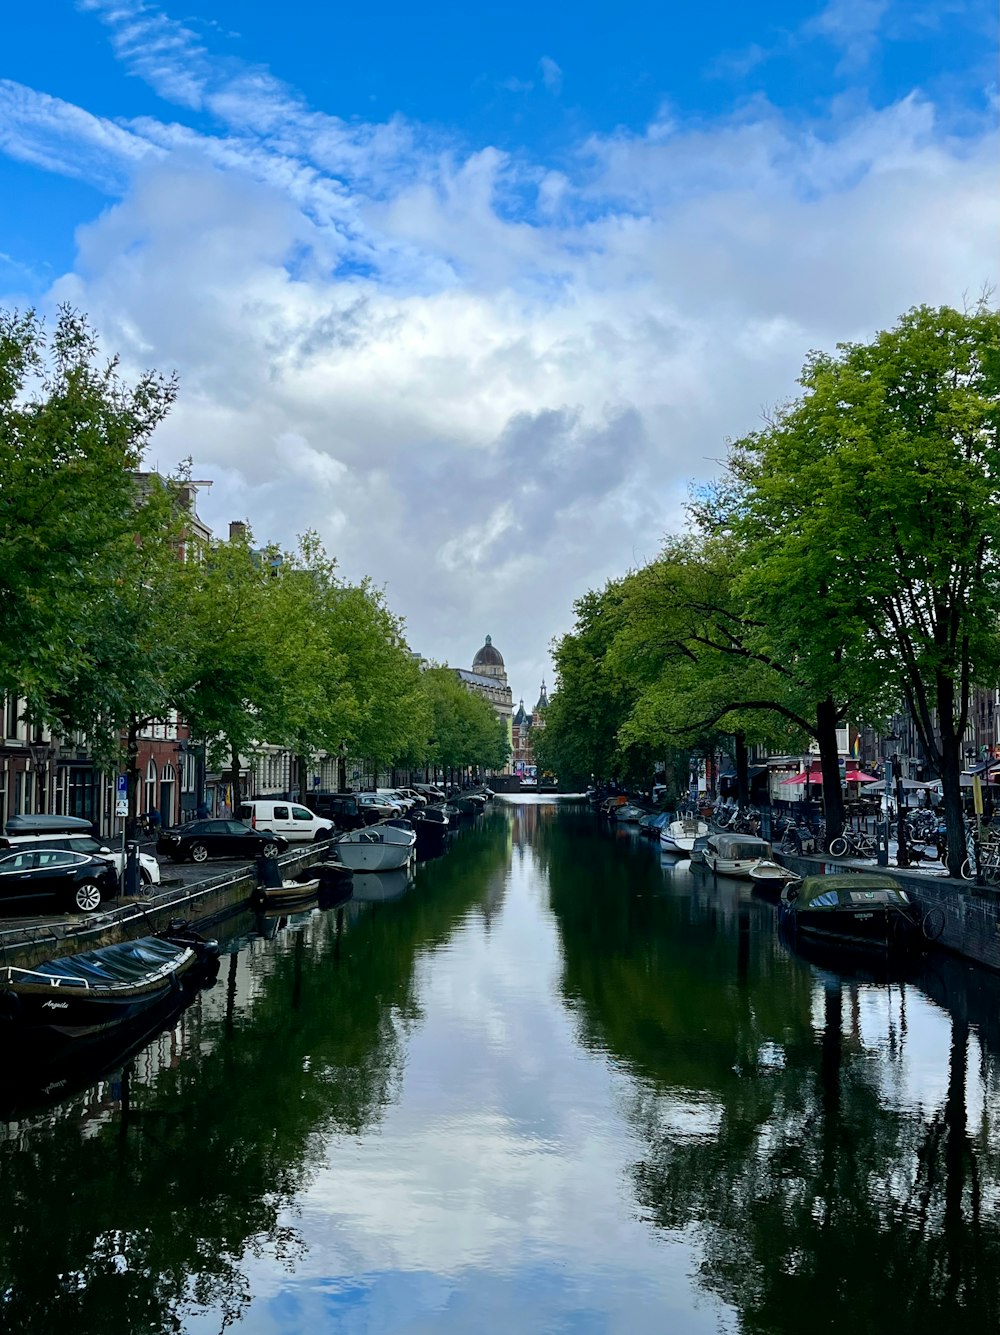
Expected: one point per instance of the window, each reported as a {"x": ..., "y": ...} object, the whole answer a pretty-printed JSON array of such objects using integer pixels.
[
  {"x": 281, "y": 813},
  {"x": 19, "y": 862},
  {"x": 54, "y": 857},
  {"x": 150, "y": 785},
  {"x": 301, "y": 813}
]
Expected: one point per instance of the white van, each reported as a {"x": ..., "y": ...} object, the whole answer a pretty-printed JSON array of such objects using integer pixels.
[{"x": 298, "y": 824}]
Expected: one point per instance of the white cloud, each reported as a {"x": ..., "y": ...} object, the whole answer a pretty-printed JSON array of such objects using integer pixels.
[
  {"x": 497, "y": 376},
  {"x": 552, "y": 75}
]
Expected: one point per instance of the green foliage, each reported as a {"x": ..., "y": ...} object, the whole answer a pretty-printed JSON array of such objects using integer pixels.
[
  {"x": 71, "y": 434},
  {"x": 873, "y": 508},
  {"x": 465, "y": 730}
]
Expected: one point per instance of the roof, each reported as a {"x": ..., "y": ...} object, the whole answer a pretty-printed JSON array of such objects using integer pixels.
[
  {"x": 478, "y": 679},
  {"x": 521, "y": 718},
  {"x": 488, "y": 656}
]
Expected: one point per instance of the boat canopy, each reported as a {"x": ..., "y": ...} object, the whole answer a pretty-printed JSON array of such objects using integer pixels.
[
  {"x": 126, "y": 963},
  {"x": 738, "y": 847},
  {"x": 840, "y": 891}
]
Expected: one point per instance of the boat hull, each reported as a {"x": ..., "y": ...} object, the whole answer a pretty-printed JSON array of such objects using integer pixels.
[
  {"x": 876, "y": 928},
  {"x": 44, "y": 999},
  {"x": 679, "y": 836},
  {"x": 377, "y": 848}
]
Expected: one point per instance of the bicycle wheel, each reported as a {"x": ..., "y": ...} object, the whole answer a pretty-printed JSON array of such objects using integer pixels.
[
  {"x": 968, "y": 870},
  {"x": 838, "y": 847}
]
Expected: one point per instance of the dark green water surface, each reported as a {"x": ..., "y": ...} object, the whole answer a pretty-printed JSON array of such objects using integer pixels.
[{"x": 556, "y": 1083}]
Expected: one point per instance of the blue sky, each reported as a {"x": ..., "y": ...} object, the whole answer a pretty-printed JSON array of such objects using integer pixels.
[{"x": 491, "y": 284}]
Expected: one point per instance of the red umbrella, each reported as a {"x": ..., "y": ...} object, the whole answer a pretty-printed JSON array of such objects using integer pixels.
[{"x": 859, "y": 776}]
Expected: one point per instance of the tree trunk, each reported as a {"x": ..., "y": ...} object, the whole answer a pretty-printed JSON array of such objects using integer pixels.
[
  {"x": 951, "y": 797},
  {"x": 742, "y": 769},
  {"x": 951, "y": 774},
  {"x": 833, "y": 796},
  {"x": 234, "y": 782},
  {"x": 132, "y": 770}
]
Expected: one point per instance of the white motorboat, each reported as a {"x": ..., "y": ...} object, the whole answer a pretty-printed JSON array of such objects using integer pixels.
[
  {"x": 735, "y": 854},
  {"x": 680, "y": 834},
  {"x": 376, "y": 848}
]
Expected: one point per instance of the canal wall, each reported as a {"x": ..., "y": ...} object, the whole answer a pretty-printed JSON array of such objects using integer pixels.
[
  {"x": 200, "y": 903},
  {"x": 957, "y": 915}
]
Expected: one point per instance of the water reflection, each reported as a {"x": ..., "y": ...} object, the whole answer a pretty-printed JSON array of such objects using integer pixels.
[{"x": 555, "y": 1082}]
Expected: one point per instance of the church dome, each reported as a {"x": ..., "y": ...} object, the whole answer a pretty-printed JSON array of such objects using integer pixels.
[{"x": 488, "y": 656}]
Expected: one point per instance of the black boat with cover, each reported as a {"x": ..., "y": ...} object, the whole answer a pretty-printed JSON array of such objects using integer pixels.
[
  {"x": 866, "y": 909},
  {"x": 79, "y": 994}
]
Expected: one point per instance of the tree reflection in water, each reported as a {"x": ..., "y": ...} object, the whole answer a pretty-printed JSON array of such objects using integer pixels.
[
  {"x": 138, "y": 1202},
  {"x": 822, "y": 1193}
]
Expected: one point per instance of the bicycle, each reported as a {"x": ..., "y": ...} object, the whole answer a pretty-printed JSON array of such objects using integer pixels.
[
  {"x": 989, "y": 862},
  {"x": 855, "y": 844}
]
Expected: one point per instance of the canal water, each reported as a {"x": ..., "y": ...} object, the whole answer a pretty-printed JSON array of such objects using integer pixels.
[{"x": 555, "y": 1083}]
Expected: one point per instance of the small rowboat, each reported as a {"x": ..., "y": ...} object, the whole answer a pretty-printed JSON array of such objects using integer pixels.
[
  {"x": 768, "y": 872},
  {"x": 288, "y": 892}
]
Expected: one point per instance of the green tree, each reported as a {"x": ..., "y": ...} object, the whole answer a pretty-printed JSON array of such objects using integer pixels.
[
  {"x": 873, "y": 509},
  {"x": 583, "y": 738},
  {"x": 71, "y": 435},
  {"x": 134, "y": 636},
  {"x": 465, "y": 730}
]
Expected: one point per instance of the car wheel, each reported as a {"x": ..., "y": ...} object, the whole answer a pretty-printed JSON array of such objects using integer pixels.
[
  {"x": 270, "y": 851},
  {"x": 320, "y": 835},
  {"x": 86, "y": 897},
  {"x": 145, "y": 877},
  {"x": 198, "y": 852}
]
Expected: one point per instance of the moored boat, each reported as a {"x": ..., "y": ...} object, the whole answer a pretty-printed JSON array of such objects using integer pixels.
[
  {"x": 628, "y": 814},
  {"x": 697, "y": 855},
  {"x": 768, "y": 872},
  {"x": 652, "y": 823},
  {"x": 287, "y": 893},
  {"x": 678, "y": 836},
  {"x": 865, "y": 909},
  {"x": 735, "y": 854},
  {"x": 375, "y": 848},
  {"x": 75, "y": 995}
]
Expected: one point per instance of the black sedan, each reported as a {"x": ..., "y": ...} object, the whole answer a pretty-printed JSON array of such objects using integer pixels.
[
  {"x": 201, "y": 839},
  {"x": 73, "y": 881}
]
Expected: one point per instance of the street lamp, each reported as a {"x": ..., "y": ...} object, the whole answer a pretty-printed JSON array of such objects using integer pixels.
[
  {"x": 41, "y": 754},
  {"x": 888, "y": 765}
]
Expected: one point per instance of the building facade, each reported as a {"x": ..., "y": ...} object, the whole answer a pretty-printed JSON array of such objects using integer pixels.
[
  {"x": 525, "y": 728},
  {"x": 488, "y": 678}
]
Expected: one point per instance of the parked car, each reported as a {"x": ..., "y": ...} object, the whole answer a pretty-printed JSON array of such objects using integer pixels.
[
  {"x": 419, "y": 798},
  {"x": 340, "y": 809},
  {"x": 291, "y": 820},
  {"x": 202, "y": 839},
  {"x": 399, "y": 797},
  {"x": 430, "y": 791},
  {"x": 385, "y": 806},
  {"x": 149, "y": 868},
  {"x": 76, "y": 882}
]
